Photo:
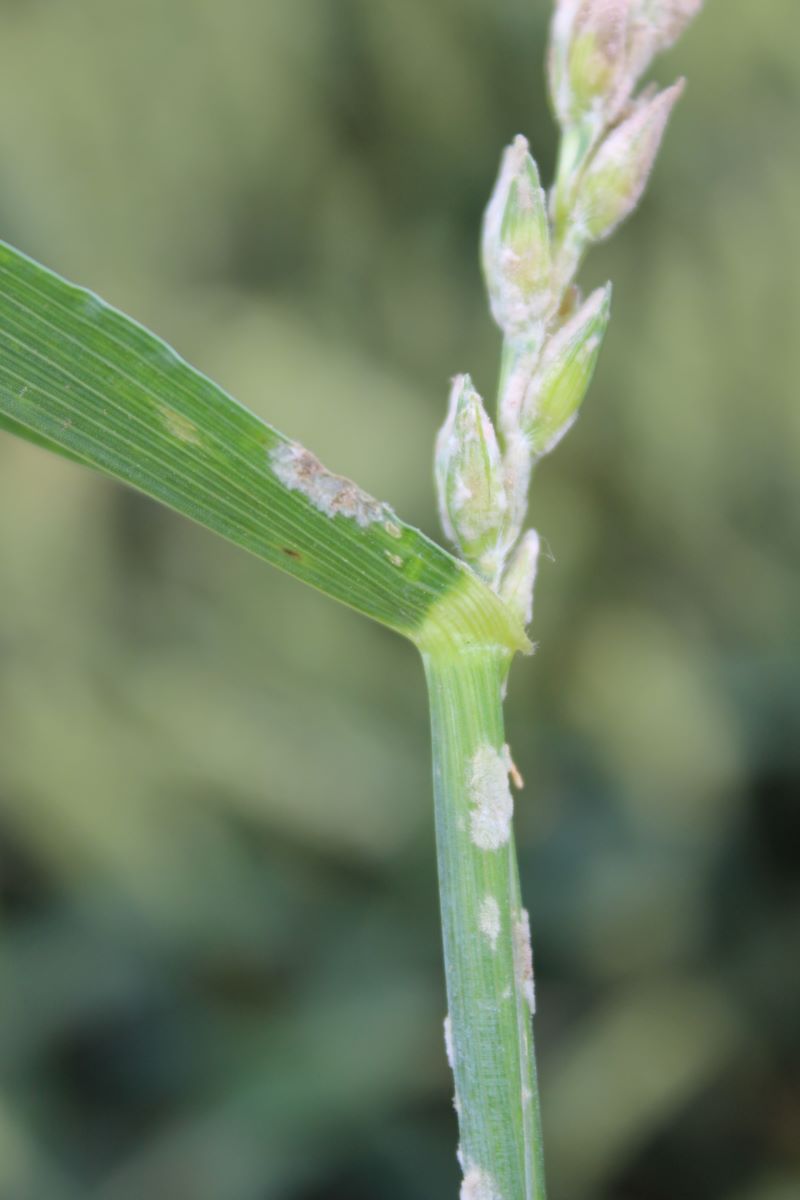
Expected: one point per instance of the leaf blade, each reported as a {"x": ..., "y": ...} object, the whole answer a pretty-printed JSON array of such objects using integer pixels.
[
  {"x": 9, "y": 425},
  {"x": 78, "y": 376}
]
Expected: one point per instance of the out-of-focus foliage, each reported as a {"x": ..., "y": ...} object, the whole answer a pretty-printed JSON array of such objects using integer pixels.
[{"x": 219, "y": 948}]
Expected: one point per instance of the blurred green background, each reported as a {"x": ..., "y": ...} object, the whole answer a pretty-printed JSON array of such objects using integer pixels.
[{"x": 219, "y": 950}]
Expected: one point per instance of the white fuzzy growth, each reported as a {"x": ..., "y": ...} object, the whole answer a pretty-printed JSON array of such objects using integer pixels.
[
  {"x": 523, "y": 958},
  {"x": 623, "y": 36},
  {"x": 617, "y": 175},
  {"x": 589, "y": 67},
  {"x": 517, "y": 266},
  {"x": 449, "y": 1048},
  {"x": 517, "y": 379},
  {"x": 490, "y": 795},
  {"x": 517, "y": 466},
  {"x": 469, "y": 474},
  {"x": 478, "y": 1184},
  {"x": 558, "y": 74},
  {"x": 462, "y": 494},
  {"x": 518, "y": 581},
  {"x": 510, "y": 166},
  {"x": 667, "y": 20},
  {"x": 300, "y": 471},
  {"x": 489, "y": 920}
]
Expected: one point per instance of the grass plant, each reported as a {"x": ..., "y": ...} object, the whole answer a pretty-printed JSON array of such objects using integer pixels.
[{"x": 85, "y": 381}]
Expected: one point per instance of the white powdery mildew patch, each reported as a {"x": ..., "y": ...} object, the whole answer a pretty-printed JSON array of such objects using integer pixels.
[
  {"x": 448, "y": 1042},
  {"x": 478, "y": 1184},
  {"x": 523, "y": 958},
  {"x": 492, "y": 805},
  {"x": 450, "y": 1051},
  {"x": 489, "y": 920},
  {"x": 301, "y": 471}
]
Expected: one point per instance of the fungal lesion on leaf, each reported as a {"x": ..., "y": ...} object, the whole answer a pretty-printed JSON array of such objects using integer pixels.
[
  {"x": 334, "y": 495},
  {"x": 179, "y": 426}
]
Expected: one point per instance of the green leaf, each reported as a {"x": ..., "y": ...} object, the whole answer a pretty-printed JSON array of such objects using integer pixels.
[
  {"x": 80, "y": 378},
  {"x": 9, "y": 425}
]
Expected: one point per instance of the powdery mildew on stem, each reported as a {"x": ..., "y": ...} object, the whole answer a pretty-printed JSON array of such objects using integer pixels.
[
  {"x": 489, "y": 920},
  {"x": 301, "y": 471},
  {"x": 490, "y": 796},
  {"x": 450, "y": 1051},
  {"x": 448, "y": 1042},
  {"x": 479, "y": 1185},
  {"x": 523, "y": 957}
]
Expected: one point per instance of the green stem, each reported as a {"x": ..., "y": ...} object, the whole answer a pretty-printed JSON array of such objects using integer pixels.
[
  {"x": 577, "y": 146},
  {"x": 485, "y": 929}
]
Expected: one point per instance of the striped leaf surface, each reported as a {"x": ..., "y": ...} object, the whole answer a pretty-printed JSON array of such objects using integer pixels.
[{"x": 80, "y": 378}]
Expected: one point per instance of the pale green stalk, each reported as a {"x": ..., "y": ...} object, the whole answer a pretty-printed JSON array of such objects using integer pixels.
[
  {"x": 485, "y": 930},
  {"x": 532, "y": 247}
]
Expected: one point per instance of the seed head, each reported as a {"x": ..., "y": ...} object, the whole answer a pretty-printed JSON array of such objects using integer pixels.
[
  {"x": 473, "y": 504},
  {"x": 557, "y": 390},
  {"x": 588, "y": 63},
  {"x": 515, "y": 246},
  {"x": 617, "y": 175},
  {"x": 601, "y": 48}
]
